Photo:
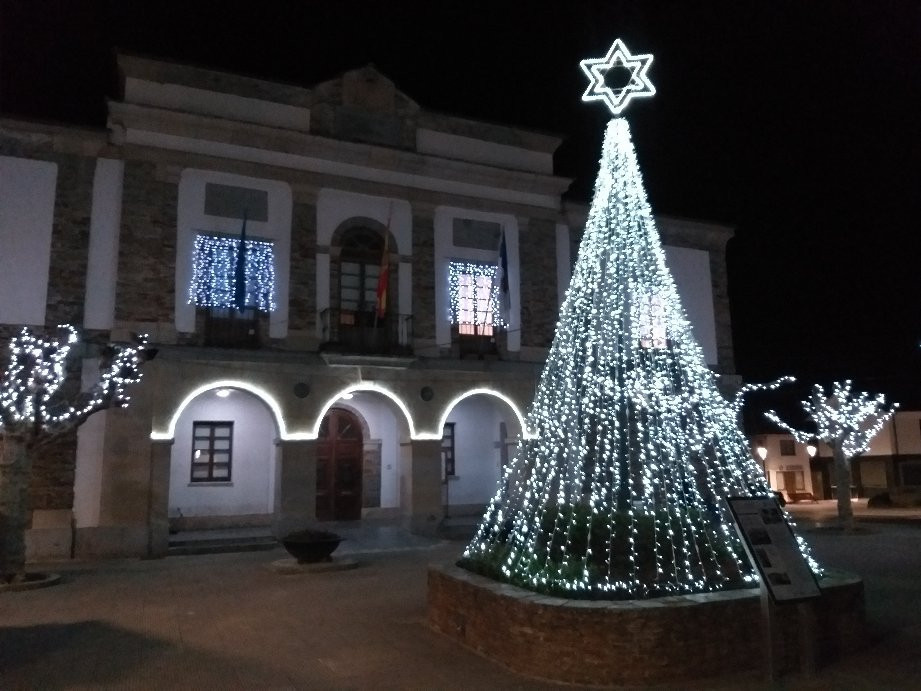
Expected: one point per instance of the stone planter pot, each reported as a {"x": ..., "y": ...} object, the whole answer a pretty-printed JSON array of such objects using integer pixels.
[{"x": 311, "y": 546}]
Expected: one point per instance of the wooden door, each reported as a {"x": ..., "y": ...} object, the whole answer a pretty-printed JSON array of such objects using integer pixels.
[
  {"x": 339, "y": 467},
  {"x": 789, "y": 483}
]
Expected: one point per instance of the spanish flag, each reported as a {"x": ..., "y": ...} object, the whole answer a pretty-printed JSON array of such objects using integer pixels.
[{"x": 383, "y": 279}]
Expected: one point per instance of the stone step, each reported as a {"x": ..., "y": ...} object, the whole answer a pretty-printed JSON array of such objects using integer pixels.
[{"x": 220, "y": 545}]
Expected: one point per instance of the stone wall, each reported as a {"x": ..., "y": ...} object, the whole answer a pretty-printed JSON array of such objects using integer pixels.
[
  {"x": 539, "y": 307},
  {"x": 302, "y": 301},
  {"x": 424, "y": 277},
  {"x": 53, "y": 465},
  {"x": 70, "y": 240},
  {"x": 661, "y": 641},
  {"x": 147, "y": 247}
]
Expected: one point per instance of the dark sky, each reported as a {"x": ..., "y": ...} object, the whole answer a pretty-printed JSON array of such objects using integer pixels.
[{"x": 796, "y": 122}]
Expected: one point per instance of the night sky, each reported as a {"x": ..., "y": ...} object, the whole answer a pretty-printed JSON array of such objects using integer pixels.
[{"x": 797, "y": 123}]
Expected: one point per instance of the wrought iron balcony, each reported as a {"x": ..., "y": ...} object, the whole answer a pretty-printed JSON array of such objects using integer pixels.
[
  {"x": 478, "y": 341},
  {"x": 352, "y": 332},
  {"x": 228, "y": 328}
]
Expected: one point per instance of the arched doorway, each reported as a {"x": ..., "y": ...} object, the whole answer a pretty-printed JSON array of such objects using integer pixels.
[
  {"x": 339, "y": 467},
  {"x": 222, "y": 462}
]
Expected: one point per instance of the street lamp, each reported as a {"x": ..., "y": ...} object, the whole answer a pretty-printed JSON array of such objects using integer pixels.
[
  {"x": 811, "y": 450},
  {"x": 762, "y": 454}
]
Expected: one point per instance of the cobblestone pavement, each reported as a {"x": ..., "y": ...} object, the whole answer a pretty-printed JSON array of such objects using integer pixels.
[{"x": 228, "y": 621}]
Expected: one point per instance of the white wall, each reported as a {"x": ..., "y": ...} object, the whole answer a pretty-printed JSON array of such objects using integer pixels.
[
  {"x": 775, "y": 463},
  {"x": 102, "y": 262},
  {"x": 251, "y": 489},
  {"x": 383, "y": 425},
  {"x": 27, "y": 190},
  {"x": 691, "y": 270},
  {"x": 900, "y": 435},
  {"x": 477, "y": 449}
]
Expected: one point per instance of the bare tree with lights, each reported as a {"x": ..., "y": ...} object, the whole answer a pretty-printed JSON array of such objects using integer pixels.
[
  {"x": 618, "y": 488},
  {"x": 847, "y": 422},
  {"x": 34, "y": 411}
]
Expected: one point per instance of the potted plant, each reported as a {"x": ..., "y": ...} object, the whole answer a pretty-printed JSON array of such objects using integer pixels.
[{"x": 309, "y": 546}]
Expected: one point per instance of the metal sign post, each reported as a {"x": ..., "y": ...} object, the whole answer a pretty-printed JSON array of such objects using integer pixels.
[{"x": 784, "y": 573}]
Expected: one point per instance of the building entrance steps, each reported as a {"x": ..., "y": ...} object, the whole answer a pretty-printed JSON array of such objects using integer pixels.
[{"x": 221, "y": 541}]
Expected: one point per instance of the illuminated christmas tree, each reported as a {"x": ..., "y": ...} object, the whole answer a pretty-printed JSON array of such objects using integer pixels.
[{"x": 618, "y": 488}]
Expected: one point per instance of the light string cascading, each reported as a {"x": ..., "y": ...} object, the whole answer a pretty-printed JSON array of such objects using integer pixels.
[
  {"x": 213, "y": 281},
  {"x": 482, "y": 290},
  {"x": 620, "y": 494},
  {"x": 841, "y": 417},
  {"x": 29, "y": 400}
]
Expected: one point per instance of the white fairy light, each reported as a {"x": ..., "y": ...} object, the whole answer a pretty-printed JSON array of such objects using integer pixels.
[
  {"x": 213, "y": 277},
  {"x": 473, "y": 294},
  {"x": 30, "y": 404},
  {"x": 841, "y": 418},
  {"x": 619, "y": 490}
]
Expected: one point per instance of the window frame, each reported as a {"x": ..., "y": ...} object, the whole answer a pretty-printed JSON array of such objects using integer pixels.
[
  {"x": 787, "y": 447},
  {"x": 212, "y": 426}
]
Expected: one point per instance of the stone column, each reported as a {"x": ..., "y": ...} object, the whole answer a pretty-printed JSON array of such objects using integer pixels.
[
  {"x": 158, "y": 498},
  {"x": 295, "y": 486},
  {"x": 421, "y": 501}
]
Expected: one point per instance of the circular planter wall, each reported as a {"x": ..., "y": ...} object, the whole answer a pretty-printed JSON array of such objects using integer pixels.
[{"x": 641, "y": 642}]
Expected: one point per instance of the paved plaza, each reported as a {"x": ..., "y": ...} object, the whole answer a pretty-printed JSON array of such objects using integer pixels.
[{"x": 229, "y": 621}]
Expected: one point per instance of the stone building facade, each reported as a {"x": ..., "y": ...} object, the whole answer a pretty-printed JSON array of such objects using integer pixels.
[{"x": 331, "y": 405}]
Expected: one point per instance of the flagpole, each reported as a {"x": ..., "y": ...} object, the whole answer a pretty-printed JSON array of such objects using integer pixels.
[
  {"x": 240, "y": 271},
  {"x": 383, "y": 278}
]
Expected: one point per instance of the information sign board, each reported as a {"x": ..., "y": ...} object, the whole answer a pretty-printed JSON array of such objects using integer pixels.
[{"x": 773, "y": 548}]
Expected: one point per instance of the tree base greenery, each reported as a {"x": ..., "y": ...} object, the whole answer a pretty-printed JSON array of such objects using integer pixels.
[{"x": 623, "y": 556}]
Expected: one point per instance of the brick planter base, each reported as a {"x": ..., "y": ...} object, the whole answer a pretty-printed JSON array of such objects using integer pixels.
[{"x": 642, "y": 642}]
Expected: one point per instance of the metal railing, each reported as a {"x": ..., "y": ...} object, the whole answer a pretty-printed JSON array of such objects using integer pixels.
[{"x": 362, "y": 333}]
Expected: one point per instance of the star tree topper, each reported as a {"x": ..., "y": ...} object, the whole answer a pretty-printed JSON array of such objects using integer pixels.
[{"x": 617, "y": 99}]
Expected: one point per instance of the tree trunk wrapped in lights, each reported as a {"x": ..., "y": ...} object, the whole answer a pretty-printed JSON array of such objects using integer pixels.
[
  {"x": 33, "y": 412},
  {"x": 618, "y": 487}
]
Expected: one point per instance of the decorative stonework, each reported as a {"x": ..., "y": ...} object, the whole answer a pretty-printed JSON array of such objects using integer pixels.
[{"x": 640, "y": 642}]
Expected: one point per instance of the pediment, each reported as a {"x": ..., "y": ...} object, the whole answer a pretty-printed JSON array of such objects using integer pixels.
[{"x": 365, "y": 88}]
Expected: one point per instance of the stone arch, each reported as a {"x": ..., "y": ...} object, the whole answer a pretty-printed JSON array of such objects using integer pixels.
[
  {"x": 275, "y": 409},
  {"x": 485, "y": 426},
  {"x": 222, "y": 460},
  {"x": 513, "y": 406},
  {"x": 386, "y": 431},
  {"x": 366, "y": 387}
]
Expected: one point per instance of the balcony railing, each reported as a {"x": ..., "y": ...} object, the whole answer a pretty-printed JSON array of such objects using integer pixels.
[
  {"x": 228, "y": 328},
  {"x": 353, "y": 332},
  {"x": 478, "y": 341}
]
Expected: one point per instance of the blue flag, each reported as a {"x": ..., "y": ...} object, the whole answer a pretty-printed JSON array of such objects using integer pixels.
[{"x": 502, "y": 279}]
